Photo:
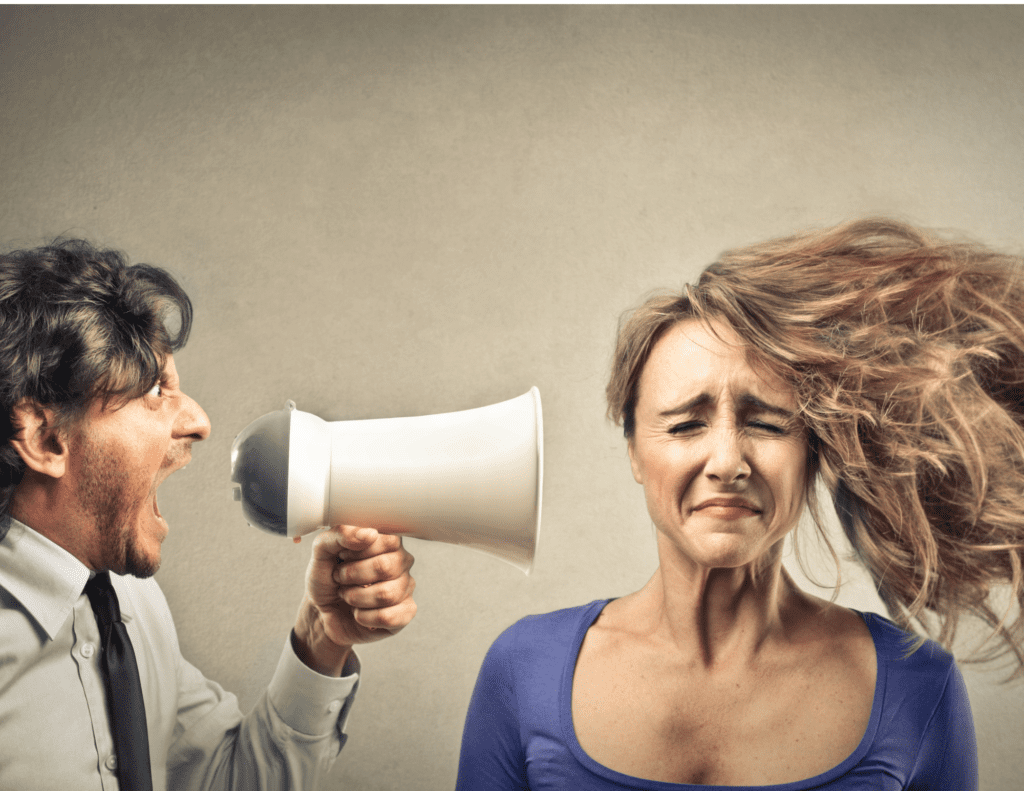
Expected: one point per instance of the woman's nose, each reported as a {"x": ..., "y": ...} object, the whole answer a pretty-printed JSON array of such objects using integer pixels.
[{"x": 727, "y": 461}]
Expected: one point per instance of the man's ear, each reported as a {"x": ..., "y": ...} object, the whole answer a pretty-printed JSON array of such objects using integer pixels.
[
  {"x": 637, "y": 474},
  {"x": 38, "y": 441}
]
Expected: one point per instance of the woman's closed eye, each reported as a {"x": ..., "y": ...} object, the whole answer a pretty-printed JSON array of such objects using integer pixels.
[
  {"x": 758, "y": 425},
  {"x": 769, "y": 427},
  {"x": 685, "y": 427}
]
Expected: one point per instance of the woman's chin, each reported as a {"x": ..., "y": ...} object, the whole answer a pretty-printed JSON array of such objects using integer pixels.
[{"x": 726, "y": 550}]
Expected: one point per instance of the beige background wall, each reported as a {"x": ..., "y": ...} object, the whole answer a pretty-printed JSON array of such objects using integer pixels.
[{"x": 395, "y": 211}]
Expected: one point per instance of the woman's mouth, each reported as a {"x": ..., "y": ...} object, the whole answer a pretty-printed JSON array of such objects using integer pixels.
[{"x": 728, "y": 508}]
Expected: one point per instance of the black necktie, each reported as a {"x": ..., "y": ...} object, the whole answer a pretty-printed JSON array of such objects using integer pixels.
[{"x": 124, "y": 691}]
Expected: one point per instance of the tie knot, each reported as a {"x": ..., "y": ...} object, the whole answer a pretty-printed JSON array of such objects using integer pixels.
[{"x": 103, "y": 600}]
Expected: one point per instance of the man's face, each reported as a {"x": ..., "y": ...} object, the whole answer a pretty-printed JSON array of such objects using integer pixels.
[{"x": 120, "y": 455}]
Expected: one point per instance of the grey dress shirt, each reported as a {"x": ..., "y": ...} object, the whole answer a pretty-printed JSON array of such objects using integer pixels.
[{"x": 54, "y": 732}]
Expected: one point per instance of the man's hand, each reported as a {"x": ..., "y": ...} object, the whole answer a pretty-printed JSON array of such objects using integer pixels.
[{"x": 358, "y": 590}]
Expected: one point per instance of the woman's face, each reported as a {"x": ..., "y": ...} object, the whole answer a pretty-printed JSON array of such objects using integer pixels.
[{"x": 717, "y": 447}]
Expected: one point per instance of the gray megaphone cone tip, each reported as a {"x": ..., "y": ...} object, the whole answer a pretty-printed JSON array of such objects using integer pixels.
[{"x": 259, "y": 470}]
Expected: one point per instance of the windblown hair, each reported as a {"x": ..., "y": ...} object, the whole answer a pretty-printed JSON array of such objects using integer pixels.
[
  {"x": 79, "y": 324},
  {"x": 906, "y": 354}
]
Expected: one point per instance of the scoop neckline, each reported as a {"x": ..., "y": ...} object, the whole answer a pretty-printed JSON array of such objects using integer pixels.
[{"x": 593, "y": 610}]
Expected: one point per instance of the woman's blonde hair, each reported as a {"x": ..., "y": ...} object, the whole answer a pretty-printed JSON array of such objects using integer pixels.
[{"x": 906, "y": 353}]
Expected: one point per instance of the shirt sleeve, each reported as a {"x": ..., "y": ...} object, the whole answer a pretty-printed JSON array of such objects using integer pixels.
[
  {"x": 492, "y": 757},
  {"x": 948, "y": 758},
  {"x": 287, "y": 742}
]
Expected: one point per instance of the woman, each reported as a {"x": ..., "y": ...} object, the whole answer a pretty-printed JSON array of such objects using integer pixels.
[{"x": 884, "y": 362}]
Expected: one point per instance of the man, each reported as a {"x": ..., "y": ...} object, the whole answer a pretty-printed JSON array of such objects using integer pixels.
[{"x": 93, "y": 419}]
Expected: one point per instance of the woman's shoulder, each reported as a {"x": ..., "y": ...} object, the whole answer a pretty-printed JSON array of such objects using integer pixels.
[
  {"x": 873, "y": 640},
  {"x": 546, "y": 632},
  {"x": 914, "y": 667},
  {"x": 918, "y": 677},
  {"x": 905, "y": 652},
  {"x": 924, "y": 701}
]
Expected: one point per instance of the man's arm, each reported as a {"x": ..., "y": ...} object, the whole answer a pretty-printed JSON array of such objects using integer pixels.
[{"x": 358, "y": 590}]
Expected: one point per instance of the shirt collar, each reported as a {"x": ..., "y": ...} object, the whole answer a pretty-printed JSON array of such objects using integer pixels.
[{"x": 44, "y": 577}]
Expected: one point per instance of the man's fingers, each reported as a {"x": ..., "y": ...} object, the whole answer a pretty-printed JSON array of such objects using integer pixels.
[
  {"x": 353, "y": 537},
  {"x": 350, "y": 542},
  {"x": 391, "y": 619},
  {"x": 376, "y": 568},
  {"x": 383, "y": 594}
]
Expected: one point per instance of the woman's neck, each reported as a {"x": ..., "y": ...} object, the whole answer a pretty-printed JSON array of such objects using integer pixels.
[{"x": 718, "y": 617}]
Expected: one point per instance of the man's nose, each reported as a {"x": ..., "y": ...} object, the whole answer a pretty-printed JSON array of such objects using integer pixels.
[{"x": 192, "y": 420}]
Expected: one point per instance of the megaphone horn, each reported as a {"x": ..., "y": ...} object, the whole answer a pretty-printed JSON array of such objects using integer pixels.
[{"x": 472, "y": 478}]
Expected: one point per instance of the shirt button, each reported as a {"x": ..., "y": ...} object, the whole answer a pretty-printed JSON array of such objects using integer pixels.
[
  {"x": 111, "y": 762},
  {"x": 88, "y": 649},
  {"x": 334, "y": 706}
]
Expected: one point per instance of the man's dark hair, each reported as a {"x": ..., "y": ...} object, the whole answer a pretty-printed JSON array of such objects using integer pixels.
[{"x": 76, "y": 324}]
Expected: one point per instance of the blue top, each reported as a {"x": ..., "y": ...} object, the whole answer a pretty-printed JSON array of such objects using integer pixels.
[{"x": 519, "y": 732}]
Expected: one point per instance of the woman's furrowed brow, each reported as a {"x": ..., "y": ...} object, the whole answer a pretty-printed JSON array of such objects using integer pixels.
[
  {"x": 747, "y": 402},
  {"x": 755, "y": 404},
  {"x": 688, "y": 406}
]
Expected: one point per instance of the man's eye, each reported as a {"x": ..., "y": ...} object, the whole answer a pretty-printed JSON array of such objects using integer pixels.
[{"x": 156, "y": 390}]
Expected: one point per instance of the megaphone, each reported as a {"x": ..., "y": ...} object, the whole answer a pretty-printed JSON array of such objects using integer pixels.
[{"x": 471, "y": 478}]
